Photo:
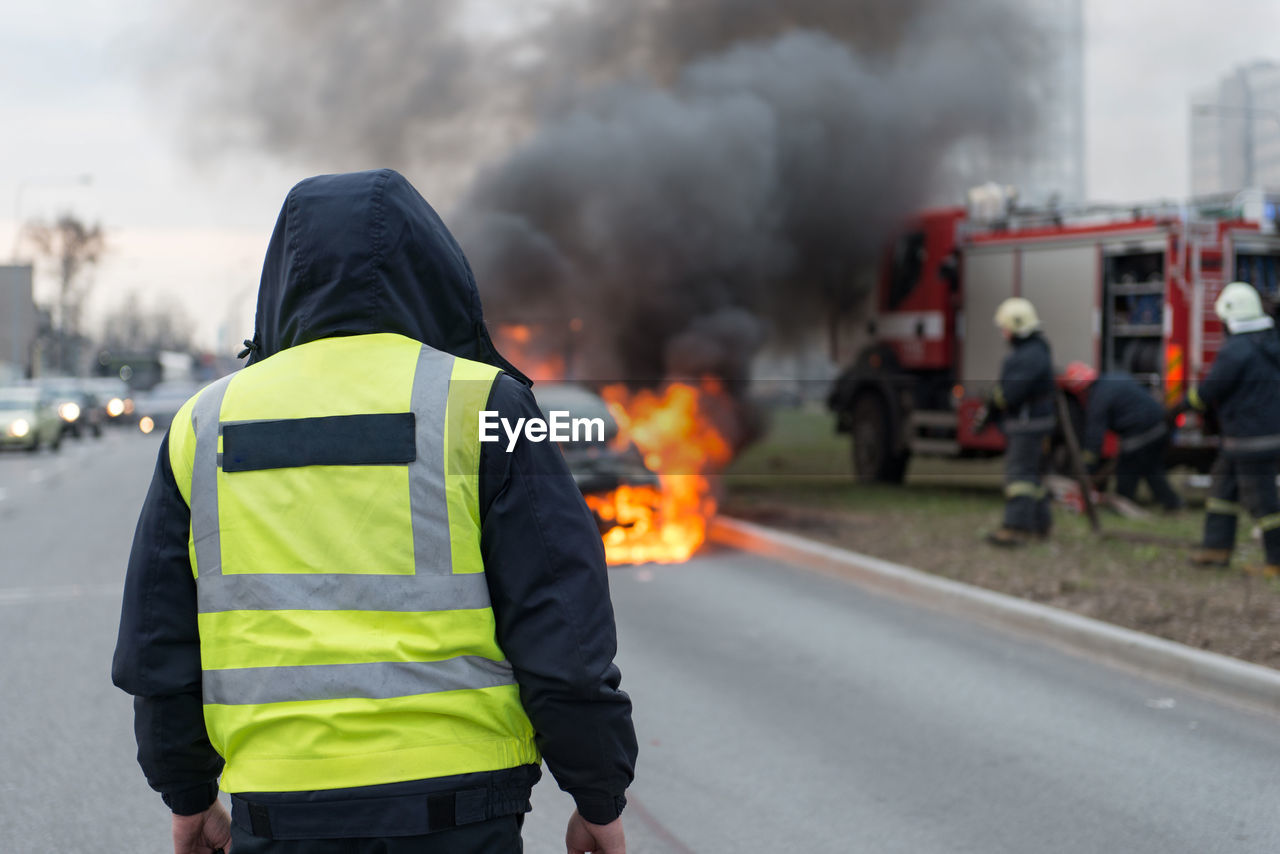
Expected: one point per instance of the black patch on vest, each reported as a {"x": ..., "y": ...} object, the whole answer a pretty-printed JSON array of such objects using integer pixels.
[{"x": 338, "y": 440}]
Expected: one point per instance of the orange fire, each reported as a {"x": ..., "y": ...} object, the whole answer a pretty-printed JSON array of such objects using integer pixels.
[
  {"x": 518, "y": 344},
  {"x": 679, "y": 441}
]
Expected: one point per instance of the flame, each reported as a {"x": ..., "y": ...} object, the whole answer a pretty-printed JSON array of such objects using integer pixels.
[
  {"x": 679, "y": 440},
  {"x": 519, "y": 345},
  {"x": 675, "y": 430}
]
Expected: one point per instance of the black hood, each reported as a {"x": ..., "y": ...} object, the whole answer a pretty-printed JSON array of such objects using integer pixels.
[{"x": 361, "y": 253}]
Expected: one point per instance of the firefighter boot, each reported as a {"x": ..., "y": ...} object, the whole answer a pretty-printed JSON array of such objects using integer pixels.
[
  {"x": 1270, "y": 549},
  {"x": 1264, "y": 570},
  {"x": 1204, "y": 558},
  {"x": 1010, "y": 538}
]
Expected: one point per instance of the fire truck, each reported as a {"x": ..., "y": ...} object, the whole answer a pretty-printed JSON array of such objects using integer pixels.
[{"x": 1120, "y": 288}]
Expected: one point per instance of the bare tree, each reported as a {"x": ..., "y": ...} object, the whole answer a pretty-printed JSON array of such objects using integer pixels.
[
  {"x": 74, "y": 248},
  {"x": 138, "y": 324}
]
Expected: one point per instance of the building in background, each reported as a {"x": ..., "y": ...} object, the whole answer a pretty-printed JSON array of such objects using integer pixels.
[
  {"x": 1045, "y": 164},
  {"x": 18, "y": 321},
  {"x": 1235, "y": 132}
]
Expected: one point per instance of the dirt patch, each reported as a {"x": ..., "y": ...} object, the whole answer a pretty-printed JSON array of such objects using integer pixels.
[{"x": 1147, "y": 586}]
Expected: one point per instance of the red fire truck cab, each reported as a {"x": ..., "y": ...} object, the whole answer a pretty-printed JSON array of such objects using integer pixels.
[{"x": 1128, "y": 289}]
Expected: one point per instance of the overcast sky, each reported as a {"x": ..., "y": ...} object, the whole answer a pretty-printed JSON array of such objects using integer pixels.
[{"x": 75, "y": 104}]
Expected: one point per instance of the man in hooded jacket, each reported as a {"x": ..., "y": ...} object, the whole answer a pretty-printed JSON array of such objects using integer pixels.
[
  {"x": 1243, "y": 388},
  {"x": 369, "y": 624}
]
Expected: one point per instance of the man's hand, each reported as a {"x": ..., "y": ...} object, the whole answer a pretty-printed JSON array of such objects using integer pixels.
[
  {"x": 583, "y": 837},
  {"x": 207, "y": 832}
]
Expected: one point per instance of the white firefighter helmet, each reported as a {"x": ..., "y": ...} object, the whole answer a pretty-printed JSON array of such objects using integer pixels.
[
  {"x": 1238, "y": 304},
  {"x": 1017, "y": 316}
]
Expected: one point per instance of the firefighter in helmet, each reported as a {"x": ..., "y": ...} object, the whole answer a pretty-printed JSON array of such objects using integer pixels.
[
  {"x": 1115, "y": 401},
  {"x": 1022, "y": 403},
  {"x": 1243, "y": 387}
]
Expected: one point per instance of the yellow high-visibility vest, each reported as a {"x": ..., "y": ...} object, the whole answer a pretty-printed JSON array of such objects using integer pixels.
[{"x": 346, "y": 633}]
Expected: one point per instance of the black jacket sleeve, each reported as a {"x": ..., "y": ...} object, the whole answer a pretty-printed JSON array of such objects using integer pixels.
[
  {"x": 1222, "y": 378},
  {"x": 1097, "y": 419},
  {"x": 157, "y": 657},
  {"x": 545, "y": 565},
  {"x": 1025, "y": 375}
]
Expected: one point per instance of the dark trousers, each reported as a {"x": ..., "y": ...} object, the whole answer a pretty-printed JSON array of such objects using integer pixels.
[
  {"x": 1026, "y": 462},
  {"x": 1146, "y": 463},
  {"x": 1247, "y": 482},
  {"x": 496, "y": 836}
]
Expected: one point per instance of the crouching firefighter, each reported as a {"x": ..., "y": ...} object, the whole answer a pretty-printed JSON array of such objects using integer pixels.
[
  {"x": 1115, "y": 401},
  {"x": 1243, "y": 387},
  {"x": 1022, "y": 404}
]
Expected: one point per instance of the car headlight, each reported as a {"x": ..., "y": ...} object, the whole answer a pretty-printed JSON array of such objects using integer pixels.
[
  {"x": 69, "y": 411},
  {"x": 19, "y": 428},
  {"x": 115, "y": 407},
  {"x": 145, "y": 424}
]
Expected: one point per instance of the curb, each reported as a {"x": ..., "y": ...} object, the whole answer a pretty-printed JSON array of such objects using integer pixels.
[{"x": 1221, "y": 676}]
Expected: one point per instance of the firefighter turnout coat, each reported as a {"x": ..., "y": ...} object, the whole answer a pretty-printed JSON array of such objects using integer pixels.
[
  {"x": 1117, "y": 402},
  {"x": 1243, "y": 387},
  {"x": 1024, "y": 395}
]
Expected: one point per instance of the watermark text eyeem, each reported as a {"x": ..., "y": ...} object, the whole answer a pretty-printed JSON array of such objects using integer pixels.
[{"x": 560, "y": 427}]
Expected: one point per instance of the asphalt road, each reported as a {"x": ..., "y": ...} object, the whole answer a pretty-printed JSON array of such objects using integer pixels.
[{"x": 778, "y": 711}]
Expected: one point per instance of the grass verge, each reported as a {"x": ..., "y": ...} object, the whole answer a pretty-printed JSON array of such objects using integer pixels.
[{"x": 798, "y": 478}]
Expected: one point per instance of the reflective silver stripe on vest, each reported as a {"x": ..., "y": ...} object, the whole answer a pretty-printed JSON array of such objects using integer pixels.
[
  {"x": 433, "y": 587},
  {"x": 376, "y": 681},
  {"x": 1030, "y": 425},
  {"x": 333, "y": 592},
  {"x": 204, "y": 479},
  {"x": 432, "y": 552},
  {"x": 1141, "y": 440},
  {"x": 1252, "y": 443}
]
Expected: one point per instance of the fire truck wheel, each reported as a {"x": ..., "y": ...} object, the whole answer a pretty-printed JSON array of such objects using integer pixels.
[{"x": 874, "y": 460}]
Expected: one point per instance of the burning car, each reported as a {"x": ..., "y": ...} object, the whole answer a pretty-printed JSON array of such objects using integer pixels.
[
  {"x": 599, "y": 464},
  {"x": 676, "y": 437}
]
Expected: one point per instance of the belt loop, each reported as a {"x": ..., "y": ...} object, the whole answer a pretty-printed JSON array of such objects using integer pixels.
[
  {"x": 441, "y": 812},
  {"x": 260, "y": 820},
  {"x": 472, "y": 805}
]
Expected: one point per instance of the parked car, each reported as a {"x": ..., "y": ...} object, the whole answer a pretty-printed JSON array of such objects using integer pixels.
[
  {"x": 155, "y": 408},
  {"x": 28, "y": 419}
]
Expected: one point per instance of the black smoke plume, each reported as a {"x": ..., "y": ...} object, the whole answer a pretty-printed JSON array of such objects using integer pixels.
[{"x": 684, "y": 177}]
